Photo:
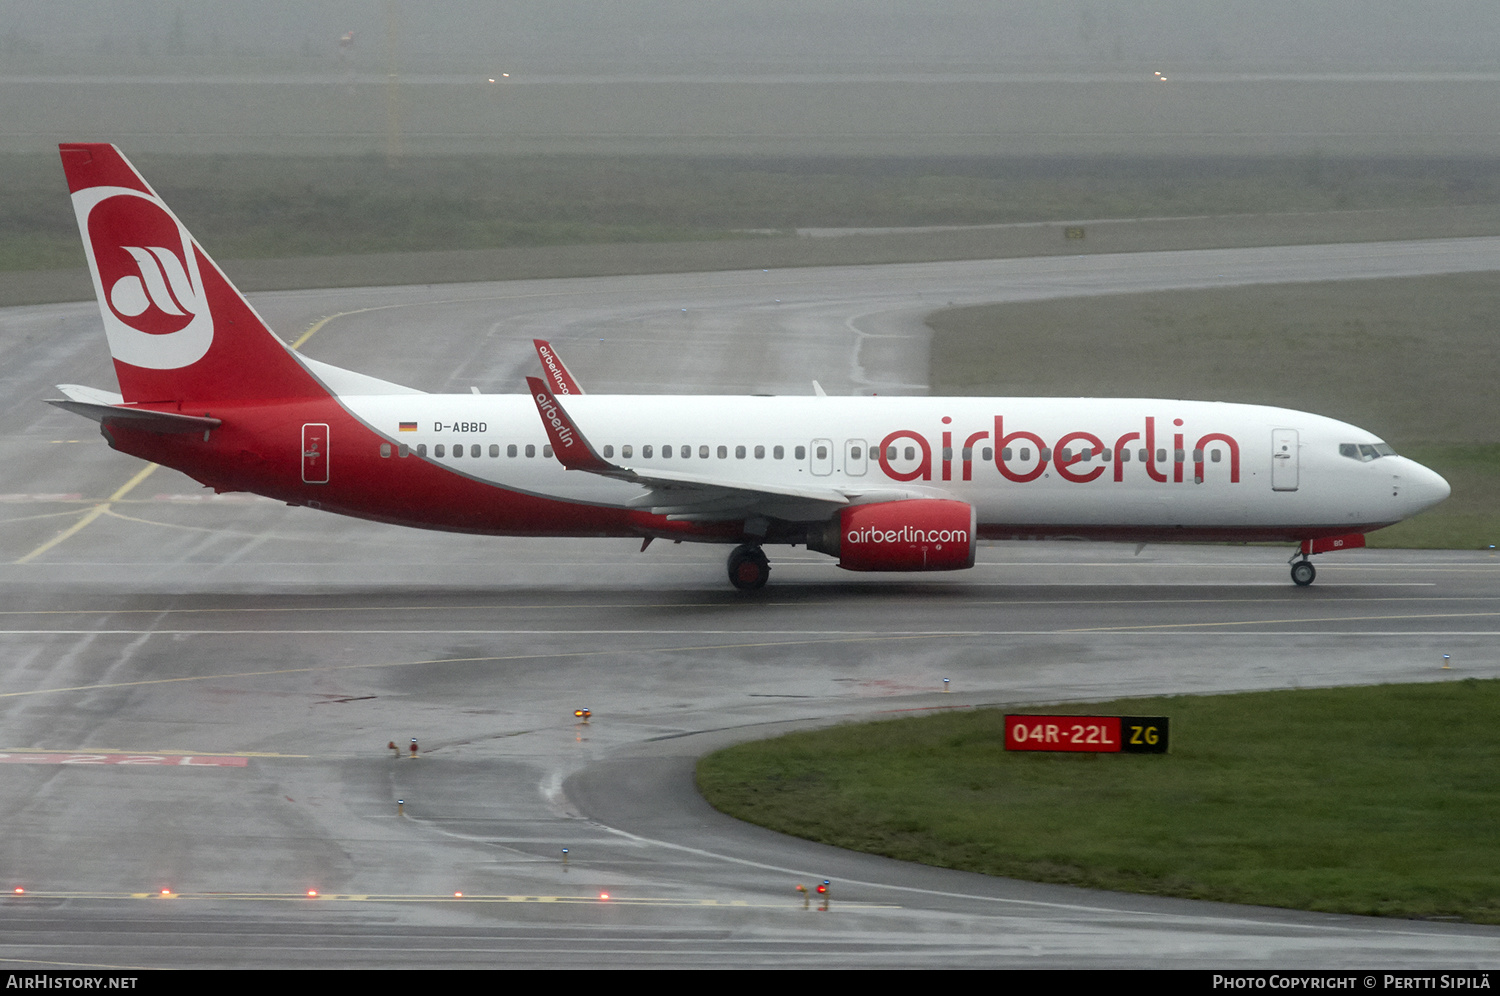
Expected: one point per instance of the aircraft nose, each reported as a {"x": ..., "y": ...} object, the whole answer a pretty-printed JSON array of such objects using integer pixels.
[{"x": 1425, "y": 487}]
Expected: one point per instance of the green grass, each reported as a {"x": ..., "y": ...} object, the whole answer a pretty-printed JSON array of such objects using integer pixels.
[
  {"x": 277, "y": 206},
  {"x": 1412, "y": 359},
  {"x": 1378, "y": 800}
]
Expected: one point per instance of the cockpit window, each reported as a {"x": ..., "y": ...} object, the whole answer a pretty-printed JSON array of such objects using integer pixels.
[{"x": 1365, "y": 452}]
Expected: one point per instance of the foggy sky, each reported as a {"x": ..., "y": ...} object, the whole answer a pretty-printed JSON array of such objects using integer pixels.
[{"x": 810, "y": 34}]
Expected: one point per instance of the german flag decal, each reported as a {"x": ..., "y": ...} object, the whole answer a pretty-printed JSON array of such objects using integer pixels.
[{"x": 408, "y": 427}]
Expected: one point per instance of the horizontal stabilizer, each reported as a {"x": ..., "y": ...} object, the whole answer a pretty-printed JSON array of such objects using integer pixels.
[{"x": 138, "y": 418}]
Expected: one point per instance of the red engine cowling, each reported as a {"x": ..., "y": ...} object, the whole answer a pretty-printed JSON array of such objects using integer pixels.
[{"x": 919, "y": 534}]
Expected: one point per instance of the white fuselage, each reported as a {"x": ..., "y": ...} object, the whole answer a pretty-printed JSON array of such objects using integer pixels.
[{"x": 1065, "y": 464}]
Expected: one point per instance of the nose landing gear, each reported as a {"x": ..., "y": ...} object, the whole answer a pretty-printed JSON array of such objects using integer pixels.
[
  {"x": 748, "y": 568},
  {"x": 1303, "y": 573}
]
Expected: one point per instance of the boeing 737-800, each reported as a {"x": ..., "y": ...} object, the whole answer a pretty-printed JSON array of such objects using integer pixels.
[{"x": 883, "y": 484}]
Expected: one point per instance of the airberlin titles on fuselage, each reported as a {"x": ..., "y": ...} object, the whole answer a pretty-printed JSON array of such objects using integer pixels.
[
  {"x": 1015, "y": 462},
  {"x": 1005, "y": 450}
]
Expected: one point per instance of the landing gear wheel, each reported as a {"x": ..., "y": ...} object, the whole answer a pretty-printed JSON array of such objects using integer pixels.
[
  {"x": 748, "y": 568},
  {"x": 1303, "y": 573}
]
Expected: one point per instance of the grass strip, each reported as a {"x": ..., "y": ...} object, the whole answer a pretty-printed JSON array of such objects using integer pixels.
[
  {"x": 277, "y": 206},
  {"x": 1375, "y": 800}
]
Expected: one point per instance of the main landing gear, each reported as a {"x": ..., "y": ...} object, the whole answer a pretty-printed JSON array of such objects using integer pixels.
[{"x": 748, "y": 568}]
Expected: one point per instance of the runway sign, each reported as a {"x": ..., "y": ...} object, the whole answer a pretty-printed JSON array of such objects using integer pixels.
[{"x": 1093, "y": 734}]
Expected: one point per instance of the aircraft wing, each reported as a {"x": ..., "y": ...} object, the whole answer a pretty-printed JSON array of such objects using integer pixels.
[{"x": 687, "y": 496}]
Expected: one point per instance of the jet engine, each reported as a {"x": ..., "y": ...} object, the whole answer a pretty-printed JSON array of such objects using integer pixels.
[{"x": 916, "y": 534}]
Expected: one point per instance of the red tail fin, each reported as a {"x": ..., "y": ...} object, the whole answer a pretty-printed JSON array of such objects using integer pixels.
[{"x": 177, "y": 328}]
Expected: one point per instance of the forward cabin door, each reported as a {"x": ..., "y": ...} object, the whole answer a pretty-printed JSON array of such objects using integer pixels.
[{"x": 1284, "y": 460}]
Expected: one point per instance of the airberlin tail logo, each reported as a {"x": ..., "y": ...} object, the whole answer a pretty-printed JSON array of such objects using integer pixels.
[
  {"x": 162, "y": 284},
  {"x": 147, "y": 278}
]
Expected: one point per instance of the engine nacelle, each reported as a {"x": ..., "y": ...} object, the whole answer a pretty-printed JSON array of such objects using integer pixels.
[{"x": 918, "y": 534}]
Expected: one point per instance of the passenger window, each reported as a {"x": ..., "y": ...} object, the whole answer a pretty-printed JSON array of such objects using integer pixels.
[
  {"x": 968, "y": 453},
  {"x": 911, "y": 453},
  {"x": 777, "y": 452},
  {"x": 739, "y": 453},
  {"x": 1124, "y": 455},
  {"x": 947, "y": 453},
  {"x": 494, "y": 449},
  {"x": 609, "y": 451},
  {"x": 1161, "y": 456},
  {"x": 403, "y": 451},
  {"x": 626, "y": 451},
  {"x": 760, "y": 453},
  {"x": 1026, "y": 453},
  {"x": 385, "y": 450},
  {"x": 666, "y": 452},
  {"x": 421, "y": 449},
  {"x": 1178, "y": 456},
  {"x": 1104, "y": 455},
  {"x": 800, "y": 453},
  {"x": 723, "y": 452},
  {"x": 1065, "y": 454},
  {"x": 1197, "y": 456},
  {"x": 702, "y": 452},
  {"x": 1141, "y": 455},
  {"x": 458, "y": 451},
  {"x": 510, "y": 450},
  {"x": 530, "y": 450},
  {"x": 987, "y": 454},
  {"x": 855, "y": 453},
  {"x": 1213, "y": 455},
  {"x": 438, "y": 450},
  {"x": 547, "y": 450},
  {"x": 890, "y": 452},
  {"x": 1005, "y": 454},
  {"x": 474, "y": 450},
  {"x": 686, "y": 452},
  {"x": 1046, "y": 453},
  {"x": 646, "y": 451}
]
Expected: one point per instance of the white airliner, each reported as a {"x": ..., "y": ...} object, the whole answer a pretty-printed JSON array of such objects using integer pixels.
[{"x": 883, "y": 484}]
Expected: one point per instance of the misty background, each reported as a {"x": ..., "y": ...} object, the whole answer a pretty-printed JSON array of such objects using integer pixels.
[
  {"x": 280, "y": 128},
  {"x": 875, "y": 77}
]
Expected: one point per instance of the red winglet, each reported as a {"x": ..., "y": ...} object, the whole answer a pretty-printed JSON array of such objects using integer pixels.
[
  {"x": 568, "y": 444},
  {"x": 558, "y": 377}
]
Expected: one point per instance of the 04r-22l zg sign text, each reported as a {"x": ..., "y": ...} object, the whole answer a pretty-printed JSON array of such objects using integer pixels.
[{"x": 1095, "y": 734}]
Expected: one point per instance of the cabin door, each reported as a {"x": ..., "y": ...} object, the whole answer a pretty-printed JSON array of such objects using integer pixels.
[
  {"x": 314, "y": 453},
  {"x": 1284, "y": 460}
]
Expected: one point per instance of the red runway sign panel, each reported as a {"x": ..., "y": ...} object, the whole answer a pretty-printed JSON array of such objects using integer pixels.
[{"x": 1092, "y": 734}]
